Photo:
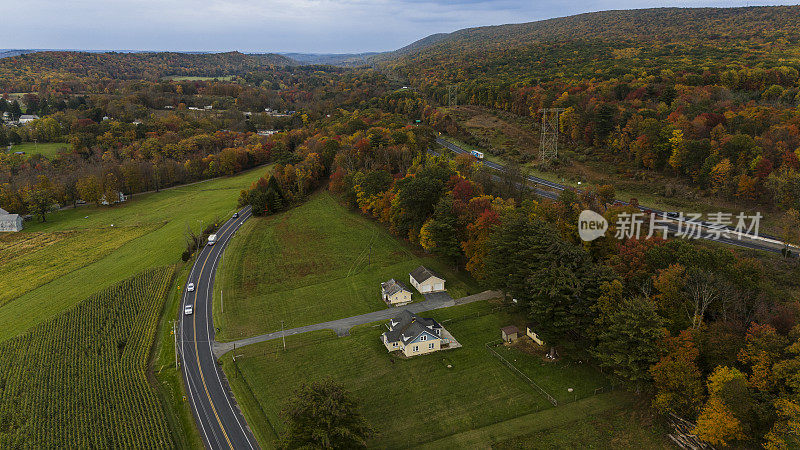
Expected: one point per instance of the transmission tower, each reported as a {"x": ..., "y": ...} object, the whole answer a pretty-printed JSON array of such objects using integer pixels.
[
  {"x": 452, "y": 95},
  {"x": 548, "y": 149}
]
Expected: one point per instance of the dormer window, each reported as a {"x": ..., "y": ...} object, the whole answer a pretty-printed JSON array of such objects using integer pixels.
[{"x": 423, "y": 337}]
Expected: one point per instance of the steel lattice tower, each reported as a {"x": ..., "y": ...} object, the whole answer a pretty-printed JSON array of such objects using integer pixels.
[
  {"x": 548, "y": 149},
  {"x": 452, "y": 95}
]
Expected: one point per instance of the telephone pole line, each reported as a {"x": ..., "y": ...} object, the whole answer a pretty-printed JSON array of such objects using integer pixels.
[{"x": 548, "y": 148}]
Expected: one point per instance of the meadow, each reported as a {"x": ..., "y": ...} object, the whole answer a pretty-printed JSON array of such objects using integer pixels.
[
  {"x": 313, "y": 263},
  {"x": 46, "y": 149},
  {"x": 157, "y": 222},
  {"x": 408, "y": 401},
  {"x": 78, "y": 380}
]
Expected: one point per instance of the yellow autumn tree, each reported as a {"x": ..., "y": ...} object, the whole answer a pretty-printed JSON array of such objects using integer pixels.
[
  {"x": 720, "y": 175},
  {"x": 716, "y": 423}
]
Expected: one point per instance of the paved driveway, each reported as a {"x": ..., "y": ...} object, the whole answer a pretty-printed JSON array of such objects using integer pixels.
[{"x": 438, "y": 297}]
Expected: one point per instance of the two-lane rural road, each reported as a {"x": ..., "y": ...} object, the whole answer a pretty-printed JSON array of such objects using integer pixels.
[{"x": 218, "y": 418}]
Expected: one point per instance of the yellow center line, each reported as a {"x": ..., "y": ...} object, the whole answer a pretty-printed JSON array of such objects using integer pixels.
[{"x": 196, "y": 353}]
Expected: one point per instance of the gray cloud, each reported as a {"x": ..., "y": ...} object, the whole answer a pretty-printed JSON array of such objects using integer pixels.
[{"x": 276, "y": 25}]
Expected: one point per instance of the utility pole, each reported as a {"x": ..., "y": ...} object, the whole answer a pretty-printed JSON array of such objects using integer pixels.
[
  {"x": 452, "y": 95},
  {"x": 175, "y": 335},
  {"x": 548, "y": 148},
  {"x": 221, "y": 303},
  {"x": 283, "y": 336}
]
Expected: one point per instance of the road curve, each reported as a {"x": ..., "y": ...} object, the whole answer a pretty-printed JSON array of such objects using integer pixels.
[{"x": 221, "y": 423}]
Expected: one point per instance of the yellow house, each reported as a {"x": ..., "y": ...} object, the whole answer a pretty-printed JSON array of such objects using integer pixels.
[
  {"x": 426, "y": 281},
  {"x": 395, "y": 293},
  {"x": 413, "y": 335}
]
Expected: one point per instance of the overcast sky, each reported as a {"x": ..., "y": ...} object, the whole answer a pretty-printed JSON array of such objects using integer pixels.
[{"x": 324, "y": 26}]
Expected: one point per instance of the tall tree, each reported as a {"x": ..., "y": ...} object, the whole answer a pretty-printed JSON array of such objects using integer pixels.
[{"x": 324, "y": 414}]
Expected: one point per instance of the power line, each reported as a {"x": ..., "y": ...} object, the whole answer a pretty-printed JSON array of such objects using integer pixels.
[{"x": 548, "y": 148}]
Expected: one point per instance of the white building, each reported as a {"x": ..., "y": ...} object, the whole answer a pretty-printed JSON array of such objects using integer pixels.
[
  {"x": 25, "y": 118},
  {"x": 10, "y": 222},
  {"x": 426, "y": 281}
]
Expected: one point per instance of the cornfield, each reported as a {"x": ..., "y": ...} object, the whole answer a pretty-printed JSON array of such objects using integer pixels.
[{"x": 78, "y": 380}]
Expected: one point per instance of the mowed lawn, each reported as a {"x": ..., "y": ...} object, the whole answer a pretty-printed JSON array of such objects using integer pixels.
[
  {"x": 407, "y": 401},
  {"x": 157, "y": 222},
  {"x": 46, "y": 149},
  {"x": 313, "y": 263}
]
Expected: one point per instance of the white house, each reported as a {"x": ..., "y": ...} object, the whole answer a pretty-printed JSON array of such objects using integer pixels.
[
  {"x": 25, "y": 118},
  {"x": 10, "y": 222},
  {"x": 426, "y": 281}
]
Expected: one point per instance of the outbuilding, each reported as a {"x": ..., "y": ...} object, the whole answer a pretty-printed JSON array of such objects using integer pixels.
[
  {"x": 509, "y": 333},
  {"x": 395, "y": 293},
  {"x": 426, "y": 281},
  {"x": 10, "y": 222}
]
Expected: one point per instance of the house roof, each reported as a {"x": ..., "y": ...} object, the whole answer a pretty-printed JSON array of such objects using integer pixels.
[
  {"x": 3, "y": 212},
  {"x": 407, "y": 326},
  {"x": 422, "y": 273},
  {"x": 511, "y": 329},
  {"x": 393, "y": 286}
]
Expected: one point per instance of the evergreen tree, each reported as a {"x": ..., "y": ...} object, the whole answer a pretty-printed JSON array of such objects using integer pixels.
[{"x": 324, "y": 415}]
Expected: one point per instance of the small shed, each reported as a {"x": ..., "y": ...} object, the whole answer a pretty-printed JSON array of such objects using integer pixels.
[{"x": 509, "y": 333}]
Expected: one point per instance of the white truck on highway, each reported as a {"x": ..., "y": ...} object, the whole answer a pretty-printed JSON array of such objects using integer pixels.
[
  {"x": 212, "y": 239},
  {"x": 476, "y": 154}
]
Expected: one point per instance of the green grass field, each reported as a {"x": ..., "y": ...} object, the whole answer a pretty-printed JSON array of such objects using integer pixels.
[
  {"x": 47, "y": 149},
  {"x": 407, "y": 401},
  {"x": 313, "y": 263},
  {"x": 161, "y": 219},
  {"x": 35, "y": 259}
]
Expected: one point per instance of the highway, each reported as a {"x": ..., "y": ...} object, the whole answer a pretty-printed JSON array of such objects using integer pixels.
[
  {"x": 221, "y": 423},
  {"x": 762, "y": 242}
]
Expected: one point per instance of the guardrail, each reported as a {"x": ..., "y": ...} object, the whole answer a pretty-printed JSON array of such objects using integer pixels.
[{"x": 495, "y": 343}]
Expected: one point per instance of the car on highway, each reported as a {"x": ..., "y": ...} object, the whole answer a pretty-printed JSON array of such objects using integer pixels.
[
  {"x": 188, "y": 309},
  {"x": 212, "y": 239},
  {"x": 235, "y": 215},
  {"x": 190, "y": 287}
]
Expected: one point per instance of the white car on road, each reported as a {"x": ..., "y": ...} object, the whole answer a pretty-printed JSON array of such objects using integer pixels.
[
  {"x": 190, "y": 287},
  {"x": 188, "y": 309}
]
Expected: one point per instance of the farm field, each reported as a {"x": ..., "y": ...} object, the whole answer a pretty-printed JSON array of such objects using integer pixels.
[
  {"x": 34, "y": 259},
  {"x": 46, "y": 149},
  {"x": 313, "y": 263},
  {"x": 164, "y": 217},
  {"x": 78, "y": 380},
  {"x": 398, "y": 395}
]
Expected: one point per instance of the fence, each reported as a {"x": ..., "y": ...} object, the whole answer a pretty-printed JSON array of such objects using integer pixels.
[{"x": 489, "y": 346}]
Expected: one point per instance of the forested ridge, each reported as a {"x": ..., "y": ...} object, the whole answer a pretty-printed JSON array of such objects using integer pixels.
[{"x": 707, "y": 94}]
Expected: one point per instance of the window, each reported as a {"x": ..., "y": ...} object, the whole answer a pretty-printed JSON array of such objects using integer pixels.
[
  {"x": 423, "y": 337},
  {"x": 395, "y": 344},
  {"x": 415, "y": 348},
  {"x": 430, "y": 346}
]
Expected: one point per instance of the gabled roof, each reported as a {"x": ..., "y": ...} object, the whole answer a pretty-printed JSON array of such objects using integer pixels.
[
  {"x": 393, "y": 286},
  {"x": 422, "y": 273},
  {"x": 407, "y": 326},
  {"x": 511, "y": 329}
]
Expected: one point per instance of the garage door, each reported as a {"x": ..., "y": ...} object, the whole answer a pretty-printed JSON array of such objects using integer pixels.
[
  {"x": 438, "y": 286},
  {"x": 426, "y": 288}
]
